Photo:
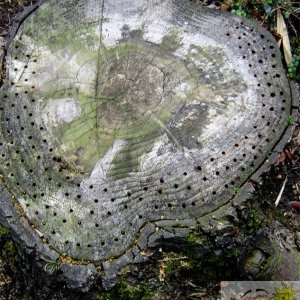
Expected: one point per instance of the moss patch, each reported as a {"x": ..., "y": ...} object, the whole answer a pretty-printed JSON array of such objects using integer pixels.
[
  {"x": 8, "y": 250},
  {"x": 126, "y": 291},
  {"x": 4, "y": 233},
  {"x": 9, "y": 254}
]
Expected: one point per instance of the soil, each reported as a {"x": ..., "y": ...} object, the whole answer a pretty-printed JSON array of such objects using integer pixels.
[{"x": 286, "y": 168}]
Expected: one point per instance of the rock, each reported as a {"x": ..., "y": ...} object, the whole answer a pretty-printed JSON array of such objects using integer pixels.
[
  {"x": 78, "y": 278},
  {"x": 254, "y": 262}
]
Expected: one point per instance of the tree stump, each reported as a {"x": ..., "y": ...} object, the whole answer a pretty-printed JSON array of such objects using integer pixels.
[{"x": 126, "y": 125}]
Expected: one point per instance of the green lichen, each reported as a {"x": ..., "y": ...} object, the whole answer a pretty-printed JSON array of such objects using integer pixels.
[
  {"x": 53, "y": 29},
  {"x": 110, "y": 111},
  {"x": 211, "y": 60}
]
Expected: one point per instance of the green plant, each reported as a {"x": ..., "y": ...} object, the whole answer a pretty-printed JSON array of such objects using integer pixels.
[
  {"x": 238, "y": 8},
  {"x": 265, "y": 10},
  {"x": 270, "y": 13},
  {"x": 293, "y": 69},
  {"x": 52, "y": 266}
]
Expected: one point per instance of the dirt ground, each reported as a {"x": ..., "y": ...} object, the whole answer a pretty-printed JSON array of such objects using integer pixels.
[{"x": 286, "y": 169}]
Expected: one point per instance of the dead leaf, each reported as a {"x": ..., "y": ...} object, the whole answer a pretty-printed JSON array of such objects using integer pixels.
[
  {"x": 277, "y": 37},
  {"x": 288, "y": 153},
  {"x": 282, "y": 30},
  {"x": 5, "y": 280},
  {"x": 281, "y": 158},
  {"x": 224, "y": 7},
  {"x": 297, "y": 139},
  {"x": 295, "y": 205}
]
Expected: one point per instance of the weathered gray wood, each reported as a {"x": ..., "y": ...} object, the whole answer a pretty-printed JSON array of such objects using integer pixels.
[{"x": 123, "y": 119}]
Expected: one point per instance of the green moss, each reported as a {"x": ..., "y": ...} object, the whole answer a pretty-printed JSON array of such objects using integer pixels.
[
  {"x": 235, "y": 252},
  {"x": 196, "y": 238},
  {"x": 174, "y": 264},
  {"x": 195, "y": 241},
  {"x": 254, "y": 221},
  {"x": 126, "y": 291},
  {"x": 205, "y": 264},
  {"x": 9, "y": 255},
  {"x": 4, "y": 232},
  {"x": 172, "y": 269},
  {"x": 8, "y": 251}
]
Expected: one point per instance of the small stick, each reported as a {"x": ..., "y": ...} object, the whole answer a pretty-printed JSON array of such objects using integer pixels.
[
  {"x": 280, "y": 194},
  {"x": 172, "y": 259}
]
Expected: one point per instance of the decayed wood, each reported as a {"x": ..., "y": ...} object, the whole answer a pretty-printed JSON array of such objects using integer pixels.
[{"x": 123, "y": 119}]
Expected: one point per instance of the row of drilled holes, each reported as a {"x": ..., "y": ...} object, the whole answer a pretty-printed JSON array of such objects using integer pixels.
[
  {"x": 109, "y": 213},
  {"x": 265, "y": 73},
  {"x": 38, "y": 157},
  {"x": 161, "y": 180}
]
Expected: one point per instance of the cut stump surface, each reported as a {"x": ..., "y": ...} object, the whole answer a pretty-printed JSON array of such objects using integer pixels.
[{"x": 124, "y": 122}]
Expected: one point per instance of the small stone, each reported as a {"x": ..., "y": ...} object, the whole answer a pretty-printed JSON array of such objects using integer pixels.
[{"x": 39, "y": 233}]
